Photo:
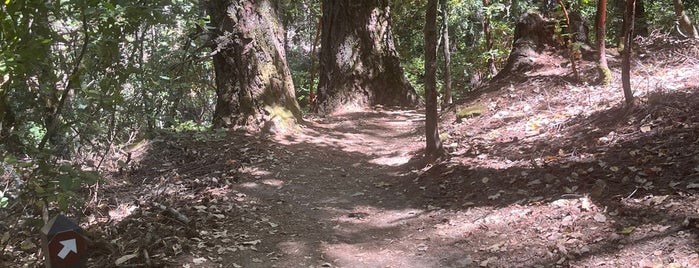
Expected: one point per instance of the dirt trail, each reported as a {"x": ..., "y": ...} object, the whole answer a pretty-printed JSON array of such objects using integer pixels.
[
  {"x": 331, "y": 189},
  {"x": 348, "y": 191}
]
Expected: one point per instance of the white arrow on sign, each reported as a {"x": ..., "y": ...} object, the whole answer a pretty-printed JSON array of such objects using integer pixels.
[{"x": 68, "y": 246}]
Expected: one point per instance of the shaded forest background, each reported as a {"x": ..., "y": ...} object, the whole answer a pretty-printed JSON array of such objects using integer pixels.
[{"x": 83, "y": 83}]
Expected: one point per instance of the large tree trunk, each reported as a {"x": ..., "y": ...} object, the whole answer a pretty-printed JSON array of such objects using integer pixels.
[
  {"x": 253, "y": 82},
  {"x": 358, "y": 63},
  {"x": 434, "y": 144},
  {"x": 532, "y": 35}
]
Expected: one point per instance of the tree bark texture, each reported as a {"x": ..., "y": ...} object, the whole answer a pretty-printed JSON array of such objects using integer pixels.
[
  {"x": 253, "y": 82},
  {"x": 532, "y": 35},
  {"x": 626, "y": 53},
  {"x": 434, "y": 144},
  {"x": 359, "y": 66},
  {"x": 688, "y": 30},
  {"x": 446, "y": 52}
]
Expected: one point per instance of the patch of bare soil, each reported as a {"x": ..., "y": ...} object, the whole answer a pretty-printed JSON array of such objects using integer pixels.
[{"x": 550, "y": 174}]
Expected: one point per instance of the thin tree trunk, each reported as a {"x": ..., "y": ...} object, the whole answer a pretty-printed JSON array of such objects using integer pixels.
[
  {"x": 447, "y": 53},
  {"x": 626, "y": 53},
  {"x": 434, "y": 144},
  {"x": 311, "y": 82},
  {"x": 571, "y": 39},
  {"x": 605, "y": 75},
  {"x": 487, "y": 33},
  {"x": 54, "y": 121}
]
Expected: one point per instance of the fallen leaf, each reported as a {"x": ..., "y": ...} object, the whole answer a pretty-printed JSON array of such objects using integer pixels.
[
  {"x": 123, "y": 259},
  {"x": 27, "y": 244},
  {"x": 252, "y": 243},
  {"x": 599, "y": 217},
  {"x": 693, "y": 186},
  {"x": 586, "y": 203},
  {"x": 422, "y": 247},
  {"x": 493, "y": 197},
  {"x": 534, "y": 182},
  {"x": 199, "y": 260},
  {"x": 645, "y": 129},
  {"x": 382, "y": 184},
  {"x": 657, "y": 200},
  {"x": 628, "y": 230},
  {"x": 485, "y": 180}
]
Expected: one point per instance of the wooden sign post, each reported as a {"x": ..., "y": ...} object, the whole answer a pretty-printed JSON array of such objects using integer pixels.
[{"x": 64, "y": 243}]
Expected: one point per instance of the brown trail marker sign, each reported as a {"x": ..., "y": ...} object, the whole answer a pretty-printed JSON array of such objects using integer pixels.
[{"x": 64, "y": 243}]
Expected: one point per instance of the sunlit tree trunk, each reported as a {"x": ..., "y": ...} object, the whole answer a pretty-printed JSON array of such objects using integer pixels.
[
  {"x": 434, "y": 144},
  {"x": 605, "y": 75},
  {"x": 253, "y": 82},
  {"x": 359, "y": 66},
  {"x": 447, "y": 52},
  {"x": 626, "y": 53}
]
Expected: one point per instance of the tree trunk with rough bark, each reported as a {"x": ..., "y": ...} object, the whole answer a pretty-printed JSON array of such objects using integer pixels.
[
  {"x": 626, "y": 53},
  {"x": 434, "y": 144},
  {"x": 532, "y": 35},
  {"x": 359, "y": 66},
  {"x": 253, "y": 82},
  {"x": 605, "y": 75}
]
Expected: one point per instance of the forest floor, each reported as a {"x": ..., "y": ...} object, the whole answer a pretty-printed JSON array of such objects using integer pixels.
[{"x": 547, "y": 173}]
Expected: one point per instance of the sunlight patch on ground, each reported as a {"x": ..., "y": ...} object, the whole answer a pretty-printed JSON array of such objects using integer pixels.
[
  {"x": 391, "y": 161},
  {"x": 121, "y": 212},
  {"x": 219, "y": 191},
  {"x": 254, "y": 171},
  {"x": 362, "y": 218},
  {"x": 249, "y": 185},
  {"x": 368, "y": 255},
  {"x": 273, "y": 182}
]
